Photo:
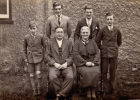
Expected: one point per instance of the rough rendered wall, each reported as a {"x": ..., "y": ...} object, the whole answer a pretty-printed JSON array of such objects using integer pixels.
[{"x": 127, "y": 17}]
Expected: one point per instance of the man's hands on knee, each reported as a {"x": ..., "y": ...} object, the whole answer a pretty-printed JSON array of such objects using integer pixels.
[
  {"x": 89, "y": 64},
  {"x": 57, "y": 65}
]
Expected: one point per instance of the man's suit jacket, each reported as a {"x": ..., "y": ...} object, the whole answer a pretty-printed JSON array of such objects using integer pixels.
[
  {"x": 33, "y": 48},
  {"x": 52, "y": 23},
  {"x": 94, "y": 28},
  {"x": 53, "y": 55},
  {"x": 109, "y": 41}
]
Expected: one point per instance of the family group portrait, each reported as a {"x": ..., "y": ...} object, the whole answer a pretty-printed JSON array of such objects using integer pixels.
[{"x": 69, "y": 50}]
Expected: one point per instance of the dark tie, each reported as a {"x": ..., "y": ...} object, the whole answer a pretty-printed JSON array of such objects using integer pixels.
[{"x": 59, "y": 20}]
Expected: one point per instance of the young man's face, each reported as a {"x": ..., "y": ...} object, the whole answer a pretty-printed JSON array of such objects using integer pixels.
[
  {"x": 58, "y": 10},
  {"x": 33, "y": 28},
  {"x": 85, "y": 32},
  {"x": 88, "y": 13},
  {"x": 59, "y": 33},
  {"x": 110, "y": 20}
]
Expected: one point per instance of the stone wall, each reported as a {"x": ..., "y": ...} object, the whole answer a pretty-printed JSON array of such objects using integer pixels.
[{"x": 127, "y": 18}]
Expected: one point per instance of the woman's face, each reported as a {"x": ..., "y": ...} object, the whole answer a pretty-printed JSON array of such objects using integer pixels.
[{"x": 85, "y": 32}]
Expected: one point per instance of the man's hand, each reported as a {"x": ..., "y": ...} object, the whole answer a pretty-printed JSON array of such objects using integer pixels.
[
  {"x": 63, "y": 66},
  {"x": 88, "y": 64},
  {"x": 56, "y": 65}
]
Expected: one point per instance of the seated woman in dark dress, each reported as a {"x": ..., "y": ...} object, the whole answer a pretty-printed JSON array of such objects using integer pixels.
[{"x": 86, "y": 58}]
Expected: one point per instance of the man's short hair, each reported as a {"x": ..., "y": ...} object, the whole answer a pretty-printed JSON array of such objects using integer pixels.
[
  {"x": 57, "y": 4},
  {"x": 32, "y": 23},
  {"x": 108, "y": 14},
  {"x": 88, "y": 7}
]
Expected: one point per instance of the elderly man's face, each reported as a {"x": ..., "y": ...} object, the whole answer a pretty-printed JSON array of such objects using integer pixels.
[
  {"x": 88, "y": 13},
  {"x": 85, "y": 32},
  {"x": 58, "y": 10},
  {"x": 59, "y": 33}
]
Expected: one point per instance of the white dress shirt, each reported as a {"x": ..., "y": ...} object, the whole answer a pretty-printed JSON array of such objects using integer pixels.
[
  {"x": 110, "y": 27},
  {"x": 59, "y": 43}
]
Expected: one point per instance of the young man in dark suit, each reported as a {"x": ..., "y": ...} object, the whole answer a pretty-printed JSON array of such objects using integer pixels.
[
  {"x": 108, "y": 40},
  {"x": 33, "y": 48},
  {"x": 60, "y": 61},
  {"x": 89, "y": 21},
  {"x": 58, "y": 19}
]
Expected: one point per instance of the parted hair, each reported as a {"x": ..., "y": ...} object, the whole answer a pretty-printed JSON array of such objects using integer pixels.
[
  {"x": 88, "y": 6},
  {"x": 57, "y": 4}
]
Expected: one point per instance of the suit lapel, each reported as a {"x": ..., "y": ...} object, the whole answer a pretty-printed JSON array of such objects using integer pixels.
[
  {"x": 55, "y": 45},
  {"x": 64, "y": 45},
  {"x": 85, "y": 22},
  {"x": 56, "y": 20},
  {"x": 109, "y": 33}
]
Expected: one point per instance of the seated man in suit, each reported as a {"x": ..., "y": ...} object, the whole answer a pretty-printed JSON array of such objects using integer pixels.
[
  {"x": 58, "y": 19},
  {"x": 89, "y": 21},
  {"x": 60, "y": 61}
]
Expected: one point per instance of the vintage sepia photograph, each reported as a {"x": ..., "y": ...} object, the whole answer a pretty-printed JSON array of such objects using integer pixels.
[{"x": 69, "y": 49}]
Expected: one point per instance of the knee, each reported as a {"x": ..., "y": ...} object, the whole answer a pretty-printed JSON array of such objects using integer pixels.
[
  {"x": 69, "y": 76},
  {"x": 38, "y": 74}
]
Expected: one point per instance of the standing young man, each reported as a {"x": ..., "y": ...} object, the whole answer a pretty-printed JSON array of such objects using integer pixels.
[
  {"x": 108, "y": 40},
  {"x": 58, "y": 19},
  {"x": 89, "y": 21}
]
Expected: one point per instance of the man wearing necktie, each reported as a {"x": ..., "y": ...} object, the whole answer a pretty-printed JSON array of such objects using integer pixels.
[
  {"x": 89, "y": 21},
  {"x": 58, "y": 19},
  {"x": 60, "y": 61}
]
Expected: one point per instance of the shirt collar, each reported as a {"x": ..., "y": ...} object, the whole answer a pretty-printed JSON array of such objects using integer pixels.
[
  {"x": 85, "y": 42},
  {"x": 60, "y": 15},
  {"x": 89, "y": 19},
  {"x": 110, "y": 27}
]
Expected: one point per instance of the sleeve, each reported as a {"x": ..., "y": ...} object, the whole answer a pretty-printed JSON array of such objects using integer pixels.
[
  {"x": 119, "y": 38},
  {"x": 77, "y": 31},
  {"x": 99, "y": 39},
  {"x": 97, "y": 55},
  {"x": 25, "y": 48},
  {"x": 78, "y": 60},
  {"x": 69, "y": 30},
  {"x": 48, "y": 28},
  {"x": 48, "y": 54},
  {"x": 97, "y": 28},
  {"x": 69, "y": 60}
]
